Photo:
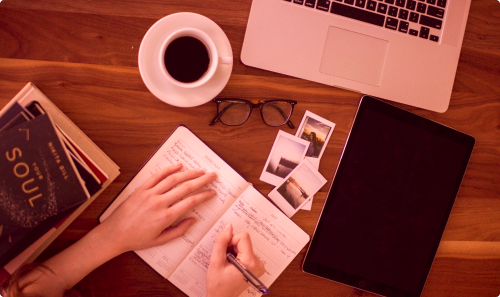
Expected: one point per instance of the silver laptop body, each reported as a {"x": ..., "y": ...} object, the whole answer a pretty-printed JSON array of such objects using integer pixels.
[{"x": 401, "y": 50}]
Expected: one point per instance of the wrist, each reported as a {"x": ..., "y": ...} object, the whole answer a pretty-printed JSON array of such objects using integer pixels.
[
  {"x": 72, "y": 264},
  {"x": 102, "y": 235}
]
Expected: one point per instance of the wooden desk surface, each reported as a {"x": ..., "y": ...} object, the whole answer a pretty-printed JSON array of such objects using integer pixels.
[{"x": 83, "y": 55}]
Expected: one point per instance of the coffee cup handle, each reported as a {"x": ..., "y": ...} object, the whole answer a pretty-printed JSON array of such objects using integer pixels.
[{"x": 226, "y": 60}]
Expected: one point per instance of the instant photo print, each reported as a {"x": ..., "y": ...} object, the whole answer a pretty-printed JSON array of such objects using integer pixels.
[
  {"x": 297, "y": 188},
  {"x": 287, "y": 152},
  {"x": 317, "y": 131}
]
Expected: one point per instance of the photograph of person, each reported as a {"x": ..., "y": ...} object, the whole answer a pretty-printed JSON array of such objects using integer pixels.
[
  {"x": 287, "y": 152},
  {"x": 317, "y": 131}
]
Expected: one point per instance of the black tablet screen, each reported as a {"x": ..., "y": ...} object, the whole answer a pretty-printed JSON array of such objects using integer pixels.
[{"x": 389, "y": 202}]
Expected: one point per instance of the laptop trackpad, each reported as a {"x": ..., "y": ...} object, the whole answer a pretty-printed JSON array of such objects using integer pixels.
[{"x": 354, "y": 56}]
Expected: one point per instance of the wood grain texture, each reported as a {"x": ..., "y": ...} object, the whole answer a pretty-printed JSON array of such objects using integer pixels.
[{"x": 83, "y": 55}]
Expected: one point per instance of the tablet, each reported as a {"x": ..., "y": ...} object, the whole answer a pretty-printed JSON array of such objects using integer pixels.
[{"x": 389, "y": 202}]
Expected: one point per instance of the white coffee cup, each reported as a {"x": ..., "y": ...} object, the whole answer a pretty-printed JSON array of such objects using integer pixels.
[{"x": 213, "y": 54}]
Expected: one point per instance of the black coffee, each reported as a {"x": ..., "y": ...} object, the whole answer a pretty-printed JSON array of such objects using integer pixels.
[{"x": 186, "y": 59}]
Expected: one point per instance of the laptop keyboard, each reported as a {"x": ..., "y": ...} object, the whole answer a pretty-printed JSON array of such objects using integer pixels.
[{"x": 422, "y": 18}]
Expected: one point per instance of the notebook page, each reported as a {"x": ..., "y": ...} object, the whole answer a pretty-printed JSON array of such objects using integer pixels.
[
  {"x": 276, "y": 241},
  {"x": 184, "y": 147}
]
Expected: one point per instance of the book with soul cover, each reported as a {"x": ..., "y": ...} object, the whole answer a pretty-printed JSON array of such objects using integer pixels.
[
  {"x": 11, "y": 116},
  {"x": 94, "y": 167},
  {"x": 184, "y": 261},
  {"x": 38, "y": 180}
]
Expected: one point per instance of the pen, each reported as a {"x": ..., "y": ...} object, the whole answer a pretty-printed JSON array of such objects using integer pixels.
[{"x": 252, "y": 279}]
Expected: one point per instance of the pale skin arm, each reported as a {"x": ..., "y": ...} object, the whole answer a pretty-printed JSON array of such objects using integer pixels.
[{"x": 143, "y": 220}]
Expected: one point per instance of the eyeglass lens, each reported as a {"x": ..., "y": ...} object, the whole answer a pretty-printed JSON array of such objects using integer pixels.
[
  {"x": 274, "y": 113},
  {"x": 234, "y": 113}
]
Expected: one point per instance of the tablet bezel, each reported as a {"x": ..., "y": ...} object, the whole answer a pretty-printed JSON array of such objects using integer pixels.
[{"x": 360, "y": 282}]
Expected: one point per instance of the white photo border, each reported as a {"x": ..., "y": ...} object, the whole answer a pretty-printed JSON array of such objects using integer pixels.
[
  {"x": 274, "y": 179},
  {"x": 314, "y": 160},
  {"x": 282, "y": 203},
  {"x": 310, "y": 115}
]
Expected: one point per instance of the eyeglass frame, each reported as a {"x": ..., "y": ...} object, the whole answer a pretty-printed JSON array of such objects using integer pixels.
[{"x": 252, "y": 105}]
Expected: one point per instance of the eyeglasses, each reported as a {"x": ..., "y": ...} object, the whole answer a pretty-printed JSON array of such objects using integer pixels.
[{"x": 235, "y": 112}]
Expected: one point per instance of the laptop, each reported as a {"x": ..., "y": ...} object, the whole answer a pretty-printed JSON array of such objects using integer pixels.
[{"x": 401, "y": 50}]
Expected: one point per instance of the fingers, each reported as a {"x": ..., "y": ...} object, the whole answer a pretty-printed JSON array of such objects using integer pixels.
[
  {"x": 188, "y": 187},
  {"x": 169, "y": 182},
  {"x": 242, "y": 244},
  {"x": 191, "y": 202},
  {"x": 174, "y": 232},
  {"x": 218, "y": 258},
  {"x": 161, "y": 175}
]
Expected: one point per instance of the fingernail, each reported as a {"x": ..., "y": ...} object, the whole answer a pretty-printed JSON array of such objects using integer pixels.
[
  {"x": 227, "y": 227},
  {"x": 200, "y": 171},
  {"x": 212, "y": 174}
]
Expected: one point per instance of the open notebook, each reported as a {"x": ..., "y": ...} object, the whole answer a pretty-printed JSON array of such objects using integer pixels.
[{"x": 184, "y": 261}]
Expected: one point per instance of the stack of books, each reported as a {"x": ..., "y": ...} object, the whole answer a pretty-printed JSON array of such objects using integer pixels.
[{"x": 50, "y": 171}]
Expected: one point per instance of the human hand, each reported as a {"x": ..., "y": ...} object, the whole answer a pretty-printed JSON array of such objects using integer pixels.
[
  {"x": 144, "y": 219},
  {"x": 223, "y": 279}
]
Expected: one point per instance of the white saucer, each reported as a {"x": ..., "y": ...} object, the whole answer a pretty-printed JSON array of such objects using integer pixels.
[{"x": 151, "y": 71}]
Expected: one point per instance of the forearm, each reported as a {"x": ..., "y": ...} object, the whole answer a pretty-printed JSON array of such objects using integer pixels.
[
  {"x": 70, "y": 266},
  {"x": 144, "y": 220}
]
